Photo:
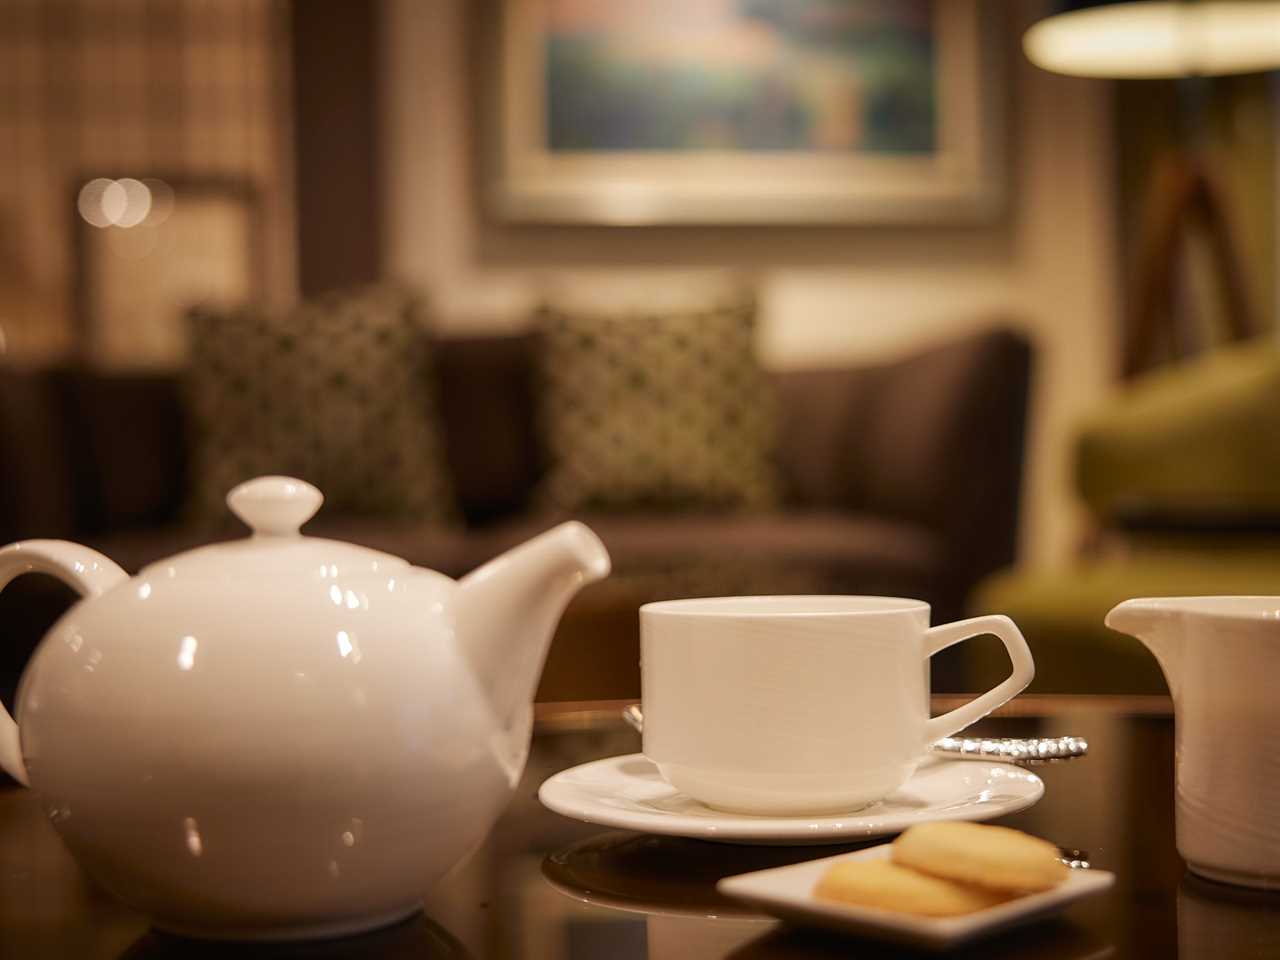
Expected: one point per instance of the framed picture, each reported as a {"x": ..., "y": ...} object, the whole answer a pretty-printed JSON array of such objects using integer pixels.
[
  {"x": 746, "y": 111},
  {"x": 148, "y": 249}
]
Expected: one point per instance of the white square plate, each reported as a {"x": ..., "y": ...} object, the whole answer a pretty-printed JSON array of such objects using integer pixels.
[{"x": 787, "y": 892}]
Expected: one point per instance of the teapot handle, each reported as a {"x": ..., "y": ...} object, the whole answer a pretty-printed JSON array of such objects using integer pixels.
[{"x": 86, "y": 571}]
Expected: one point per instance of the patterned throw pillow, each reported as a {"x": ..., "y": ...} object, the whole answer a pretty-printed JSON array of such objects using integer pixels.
[
  {"x": 668, "y": 410},
  {"x": 339, "y": 392}
]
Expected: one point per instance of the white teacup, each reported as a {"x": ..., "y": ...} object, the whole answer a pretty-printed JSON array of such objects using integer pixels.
[{"x": 801, "y": 705}]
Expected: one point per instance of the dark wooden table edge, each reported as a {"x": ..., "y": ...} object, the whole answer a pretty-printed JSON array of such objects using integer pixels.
[{"x": 581, "y": 714}]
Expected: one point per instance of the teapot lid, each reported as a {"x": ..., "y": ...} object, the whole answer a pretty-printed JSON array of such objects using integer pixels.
[{"x": 275, "y": 508}]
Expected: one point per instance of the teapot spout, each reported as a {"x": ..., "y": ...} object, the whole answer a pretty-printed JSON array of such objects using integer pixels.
[
  {"x": 508, "y": 610},
  {"x": 1158, "y": 623}
]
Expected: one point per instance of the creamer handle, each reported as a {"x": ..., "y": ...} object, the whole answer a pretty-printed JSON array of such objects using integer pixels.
[
  {"x": 86, "y": 571},
  {"x": 1024, "y": 669}
]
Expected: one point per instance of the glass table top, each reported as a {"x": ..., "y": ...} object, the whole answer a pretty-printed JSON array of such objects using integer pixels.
[{"x": 544, "y": 886}]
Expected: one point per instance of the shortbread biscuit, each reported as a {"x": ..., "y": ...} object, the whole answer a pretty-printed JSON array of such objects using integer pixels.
[
  {"x": 888, "y": 886},
  {"x": 994, "y": 857}
]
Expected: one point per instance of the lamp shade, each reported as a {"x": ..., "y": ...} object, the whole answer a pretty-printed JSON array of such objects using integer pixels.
[{"x": 1159, "y": 39}]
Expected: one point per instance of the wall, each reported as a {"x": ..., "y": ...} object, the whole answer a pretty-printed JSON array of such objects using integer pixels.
[
  {"x": 130, "y": 88},
  {"x": 829, "y": 295},
  {"x": 335, "y": 138}
]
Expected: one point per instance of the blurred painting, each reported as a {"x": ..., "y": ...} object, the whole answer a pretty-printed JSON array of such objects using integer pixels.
[
  {"x": 740, "y": 75},
  {"x": 652, "y": 111}
]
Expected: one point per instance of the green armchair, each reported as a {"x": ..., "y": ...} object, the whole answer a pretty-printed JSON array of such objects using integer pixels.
[{"x": 1182, "y": 476}]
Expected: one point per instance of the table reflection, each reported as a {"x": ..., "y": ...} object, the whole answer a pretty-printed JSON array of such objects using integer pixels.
[
  {"x": 666, "y": 875},
  {"x": 418, "y": 937},
  {"x": 657, "y": 894},
  {"x": 1218, "y": 922},
  {"x": 545, "y": 887},
  {"x": 654, "y": 897},
  {"x": 1052, "y": 939}
]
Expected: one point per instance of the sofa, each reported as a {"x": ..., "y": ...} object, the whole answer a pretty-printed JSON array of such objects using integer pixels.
[
  {"x": 1180, "y": 472},
  {"x": 901, "y": 478}
]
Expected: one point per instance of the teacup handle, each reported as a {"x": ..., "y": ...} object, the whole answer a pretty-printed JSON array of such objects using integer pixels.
[{"x": 937, "y": 639}]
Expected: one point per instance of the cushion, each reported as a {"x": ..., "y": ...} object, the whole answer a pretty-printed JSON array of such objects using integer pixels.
[
  {"x": 710, "y": 554},
  {"x": 661, "y": 555},
  {"x": 1060, "y": 612},
  {"x": 339, "y": 392},
  {"x": 655, "y": 409},
  {"x": 1199, "y": 439}
]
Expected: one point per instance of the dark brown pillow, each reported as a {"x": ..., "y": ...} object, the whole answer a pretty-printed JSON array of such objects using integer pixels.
[{"x": 339, "y": 392}]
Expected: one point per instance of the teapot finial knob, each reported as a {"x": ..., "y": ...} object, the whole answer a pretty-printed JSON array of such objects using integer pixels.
[{"x": 275, "y": 506}]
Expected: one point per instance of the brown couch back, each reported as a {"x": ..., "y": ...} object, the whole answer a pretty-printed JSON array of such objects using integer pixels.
[
  {"x": 37, "y": 495},
  {"x": 945, "y": 440},
  {"x": 935, "y": 439},
  {"x": 487, "y": 402}
]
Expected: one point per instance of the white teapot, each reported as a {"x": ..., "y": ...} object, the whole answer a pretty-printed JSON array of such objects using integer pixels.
[{"x": 283, "y": 736}]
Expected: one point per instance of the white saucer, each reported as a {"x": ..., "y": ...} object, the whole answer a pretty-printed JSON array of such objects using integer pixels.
[
  {"x": 787, "y": 892},
  {"x": 628, "y": 792}
]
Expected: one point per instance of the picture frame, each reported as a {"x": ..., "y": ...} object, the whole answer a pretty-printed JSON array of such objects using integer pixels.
[
  {"x": 540, "y": 174},
  {"x": 199, "y": 242}
]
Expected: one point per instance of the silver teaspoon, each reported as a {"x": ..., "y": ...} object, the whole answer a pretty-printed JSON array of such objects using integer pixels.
[{"x": 1031, "y": 749}]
